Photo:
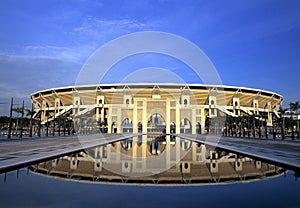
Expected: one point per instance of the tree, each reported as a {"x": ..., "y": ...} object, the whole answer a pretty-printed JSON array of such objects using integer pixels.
[
  {"x": 17, "y": 110},
  {"x": 30, "y": 113},
  {"x": 61, "y": 120}
]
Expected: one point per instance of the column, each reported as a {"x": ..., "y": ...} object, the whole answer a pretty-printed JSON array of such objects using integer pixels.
[
  {"x": 134, "y": 118},
  {"x": 202, "y": 120},
  {"x": 168, "y": 122},
  {"x": 109, "y": 121},
  {"x": 177, "y": 118},
  {"x": 119, "y": 121},
  {"x": 145, "y": 119},
  {"x": 194, "y": 123}
]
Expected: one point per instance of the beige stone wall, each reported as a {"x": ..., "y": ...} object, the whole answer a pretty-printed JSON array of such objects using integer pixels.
[{"x": 138, "y": 103}]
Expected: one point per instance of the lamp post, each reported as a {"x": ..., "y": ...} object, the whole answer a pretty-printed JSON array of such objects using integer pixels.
[
  {"x": 47, "y": 125},
  {"x": 254, "y": 126},
  {"x": 31, "y": 116},
  {"x": 273, "y": 127},
  {"x": 10, "y": 118},
  {"x": 22, "y": 115},
  {"x": 53, "y": 133},
  {"x": 283, "y": 127}
]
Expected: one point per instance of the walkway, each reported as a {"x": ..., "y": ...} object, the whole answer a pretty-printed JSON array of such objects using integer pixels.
[
  {"x": 279, "y": 152},
  {"x": 19, "y": 153}
]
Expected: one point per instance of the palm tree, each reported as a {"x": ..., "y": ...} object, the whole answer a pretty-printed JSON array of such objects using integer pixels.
[
  {"x": 60, "y": 120},
  {"x": 30, "y": 112},
  {"x": 17, "y": 110}
]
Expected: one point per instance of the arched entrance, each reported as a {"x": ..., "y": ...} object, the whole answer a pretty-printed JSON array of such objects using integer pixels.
[
  {"x": 172, "y": 128},
  {"x": 198, "y": 128},
  {"x": 114, "y": 128},
  {"x": 127, "y": 126},
  {"x": 140, "y": 127},
  {"x": 185, "y": 126},
  {"x": 156, "y": 124}
]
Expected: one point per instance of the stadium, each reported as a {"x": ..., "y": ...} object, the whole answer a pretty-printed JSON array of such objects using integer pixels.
[{"x": 149, "y": 107}]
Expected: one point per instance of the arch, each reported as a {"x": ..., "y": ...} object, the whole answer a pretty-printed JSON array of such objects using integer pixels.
[
  {"x": 172, "y": 128},
  {"x": 156, "y": 123},
  {"x": 127, "y": 126},
  {"x": 185, "y": 126},
  {"x": 126, "y": 144},
  {"x": 185, "y": 144},
  {"x": 114, "y": 128},
  {"x": 140, "y": 127},
  {"x": 185, "y": 102},
  {"x": 156, "y": 147},
  {"x": 198, "y": 128}
]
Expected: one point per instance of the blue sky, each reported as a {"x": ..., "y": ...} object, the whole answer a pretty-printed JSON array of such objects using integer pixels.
[{"x": 44, "y": 44}]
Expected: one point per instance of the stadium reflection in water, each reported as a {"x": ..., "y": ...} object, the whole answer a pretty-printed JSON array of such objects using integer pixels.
[{"x": 157, "y": 160}]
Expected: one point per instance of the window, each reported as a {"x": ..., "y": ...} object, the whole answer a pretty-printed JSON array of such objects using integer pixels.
[
  {"x": 186, "y": 166},
  {"x": 236, "y": 103},
  {"x": 185, "y": 102},
  {"x": 100, "y": 101},
  {"x": 212, "y": 102},
  {"x": 212, "y": 112},
  {"x": 127, "y": 101},
  {"x": 214, "y": 165}
]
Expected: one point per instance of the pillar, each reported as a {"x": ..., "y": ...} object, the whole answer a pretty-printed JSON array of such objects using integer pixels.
[
  {"x": 194, "y": 123},
  {"x": 177, "y": 118},
  {"x": 119, "y": 121},
  {"x": 134, "y": 118},
  {"x": 109, "y": 121},
  {"x": 168, "y": 117},
  {"x": 202, "y": 122},
  {"x": 145, "y": 119}
]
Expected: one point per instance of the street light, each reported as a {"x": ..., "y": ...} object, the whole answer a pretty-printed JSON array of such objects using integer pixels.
[
  {"x": 22, "y": 115},
  {"x": 10, "y": 118}
]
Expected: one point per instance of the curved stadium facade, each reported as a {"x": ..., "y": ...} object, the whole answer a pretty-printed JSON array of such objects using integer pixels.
[{"x": 172, "y": 108}]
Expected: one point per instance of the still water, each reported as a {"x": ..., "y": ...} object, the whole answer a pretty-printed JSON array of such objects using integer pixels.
[{"x": 151, "y": 172}]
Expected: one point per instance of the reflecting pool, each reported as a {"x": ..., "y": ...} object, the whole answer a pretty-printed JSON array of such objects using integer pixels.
[{"x": 150, "y": 171}]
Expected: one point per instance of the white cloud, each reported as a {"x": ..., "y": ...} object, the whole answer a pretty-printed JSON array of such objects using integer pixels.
[
  {"x": 99, "y": 28},
  {"x": 24, "y": 75},
  {"x": 36, "y": 68},
  {"x": 87, "y": 37},
  {"x": 45, "y": 48}
]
